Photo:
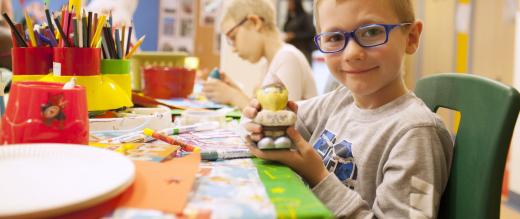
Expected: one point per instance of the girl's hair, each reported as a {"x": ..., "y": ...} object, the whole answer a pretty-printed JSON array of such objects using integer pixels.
[
  {"x": 239, "y": 9},
  {"x": 402, "y": 8}
]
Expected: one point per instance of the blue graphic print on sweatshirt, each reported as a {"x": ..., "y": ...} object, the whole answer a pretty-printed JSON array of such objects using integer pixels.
[{"x": 337, "y": 157}]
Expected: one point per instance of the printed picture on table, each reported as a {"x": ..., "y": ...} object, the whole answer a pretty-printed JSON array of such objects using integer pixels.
[{"x": 155, "y": 152}]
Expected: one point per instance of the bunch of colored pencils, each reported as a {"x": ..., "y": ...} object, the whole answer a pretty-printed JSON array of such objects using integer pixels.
[
  {"x": 113, "y": 42},
  {"x": 74, "y": 27}
]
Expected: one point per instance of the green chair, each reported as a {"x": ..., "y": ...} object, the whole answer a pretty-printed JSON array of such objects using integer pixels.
[{"x": 488, "y": 114}]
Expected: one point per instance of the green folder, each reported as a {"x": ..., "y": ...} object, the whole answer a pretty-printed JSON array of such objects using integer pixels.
[{"x": 290, "y": 196}]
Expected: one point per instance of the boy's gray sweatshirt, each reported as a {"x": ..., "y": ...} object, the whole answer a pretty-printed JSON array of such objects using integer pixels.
[{"x": 389, "y": 162}]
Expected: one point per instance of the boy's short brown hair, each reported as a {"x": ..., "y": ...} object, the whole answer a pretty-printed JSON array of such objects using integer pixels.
[{"x": 402, "y": 8}]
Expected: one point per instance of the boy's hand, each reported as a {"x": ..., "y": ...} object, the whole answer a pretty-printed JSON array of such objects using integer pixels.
[
  {"x": 250, "y": 112},
  {"x": 304, "y": 160}
]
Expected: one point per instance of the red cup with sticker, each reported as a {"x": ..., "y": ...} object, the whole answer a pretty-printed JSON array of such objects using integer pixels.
[{"x": 44, "y": 112}]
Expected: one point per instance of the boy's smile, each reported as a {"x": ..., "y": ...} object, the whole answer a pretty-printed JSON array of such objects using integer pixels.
[
  {"x": 372, "y": 74},
  {"x": 359, "y": 70}
]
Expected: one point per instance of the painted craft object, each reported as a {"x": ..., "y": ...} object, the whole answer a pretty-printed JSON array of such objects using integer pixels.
[{"x": 274, "y": 117}]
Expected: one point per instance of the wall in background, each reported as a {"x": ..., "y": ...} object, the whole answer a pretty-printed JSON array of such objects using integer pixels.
[
  {"x": 146, "y": 19},
  {"x": 206, "y": 40},
  {"x": 493, "y": 40}
]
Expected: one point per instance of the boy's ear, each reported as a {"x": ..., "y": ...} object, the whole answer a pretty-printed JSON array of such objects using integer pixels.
[
  {"x": 414, "y": 36},
  {"x": 256, "y": 21}
]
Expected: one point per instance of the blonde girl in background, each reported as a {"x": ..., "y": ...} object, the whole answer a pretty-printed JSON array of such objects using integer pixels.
[{"x": 249, "y": 27}]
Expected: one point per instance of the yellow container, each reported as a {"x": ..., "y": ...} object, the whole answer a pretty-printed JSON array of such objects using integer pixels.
[
  {"x": 124, "y": 81},
  {"x": 119, "y": 71},
  {"x": 18, "y": 78},
  {"x": 153, "y": 59},
  {"x": 102, "y": 92}
]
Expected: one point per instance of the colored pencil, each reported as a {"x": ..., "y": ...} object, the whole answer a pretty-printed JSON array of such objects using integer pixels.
[
  {"x": 135, "y": 47},
  {"x": 52, "y": 38},
  {"x": 84, "y": 30},
  {"x": 118, "y": 45},
  {"x": 123, "y": 40},
  {"x": 95, "y": 38},
  {"x": 62, "y": 34},
  {"x": 128, "y": 40},
  {"x": 76, "y": 34},
  {"x": 80, "y": 32},
  {"x": 30, "y": 31},
  {"x": 20, "y": 41},
  {"x": 104, "y": 48},
  {"x": 89, "y": 27},
  {"x": 49, "y": 19}
]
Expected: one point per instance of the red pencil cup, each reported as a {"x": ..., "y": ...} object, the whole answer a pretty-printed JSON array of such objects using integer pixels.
[
  {"x": 43, "y": 112},
  {"x": 31, "y": 61},
  {"x": 76, "y": 61},
  {"x": 166, "y": 83}
]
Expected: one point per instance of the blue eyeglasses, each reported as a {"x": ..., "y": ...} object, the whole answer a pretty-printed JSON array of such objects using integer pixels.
[{"x": 366, "y": 36}]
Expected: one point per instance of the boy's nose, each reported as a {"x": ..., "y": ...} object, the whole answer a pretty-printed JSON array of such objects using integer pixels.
[{"x": 353, "y": 51}]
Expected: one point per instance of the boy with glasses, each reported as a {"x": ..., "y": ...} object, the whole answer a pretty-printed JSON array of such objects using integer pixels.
[
  {"x": 250, "y": 29},
  {"x": 377, "y": 151}
]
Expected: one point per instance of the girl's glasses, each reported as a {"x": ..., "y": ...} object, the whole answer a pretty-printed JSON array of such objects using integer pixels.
[{"x": 230, "y": 37}]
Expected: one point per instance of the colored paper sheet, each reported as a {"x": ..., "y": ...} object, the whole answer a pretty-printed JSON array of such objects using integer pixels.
[
  {"x": 291, "y": 198},
  {"x": 162, "y": 186},
  {"x": 157, "y": 186}
]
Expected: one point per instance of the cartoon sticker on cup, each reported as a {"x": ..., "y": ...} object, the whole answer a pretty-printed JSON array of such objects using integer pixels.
[{"x": 52, "y": 111}]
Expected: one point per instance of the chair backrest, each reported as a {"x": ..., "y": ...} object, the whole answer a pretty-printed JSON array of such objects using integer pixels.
[{"x": 488, "y": 114}]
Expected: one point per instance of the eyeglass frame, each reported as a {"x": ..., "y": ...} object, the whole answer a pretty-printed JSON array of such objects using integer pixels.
[
  {"x": 351, "y": 34},
  {"x": 228, "y": 40}
]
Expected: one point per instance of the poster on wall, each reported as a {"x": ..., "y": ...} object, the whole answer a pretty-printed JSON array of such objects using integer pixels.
[
  {"x": 208, "y": 12},
  {"x": 176, "y": 30}
]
